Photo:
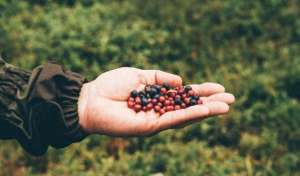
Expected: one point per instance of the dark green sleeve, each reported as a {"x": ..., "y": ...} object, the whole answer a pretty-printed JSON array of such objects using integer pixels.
[{"x": 39, "y": 108}]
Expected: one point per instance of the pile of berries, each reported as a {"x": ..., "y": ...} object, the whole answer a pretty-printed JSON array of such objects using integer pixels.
[{"x": 163, "y": 98}]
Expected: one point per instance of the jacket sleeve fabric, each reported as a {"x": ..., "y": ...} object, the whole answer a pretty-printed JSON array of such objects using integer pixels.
[{"x": 39, "y": 108}]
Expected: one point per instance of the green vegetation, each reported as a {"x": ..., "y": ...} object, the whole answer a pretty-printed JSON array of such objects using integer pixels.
[{"x": 252, "y": 47}]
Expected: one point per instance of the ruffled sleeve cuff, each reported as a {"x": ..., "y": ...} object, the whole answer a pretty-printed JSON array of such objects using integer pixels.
[{"x": 42, "y": 110}]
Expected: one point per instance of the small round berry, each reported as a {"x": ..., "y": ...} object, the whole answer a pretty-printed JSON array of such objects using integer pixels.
[
  {"x": 200, "y": 101},
  {"x": 134, "y": 93},
  {"x": 156, "y": 96},
  {"x": 148, "y": 95},
  {"x": 193, "y": 102},
  {"x": 153, "y": 92},
  {"x": 137, "y": 107},
  {"x": 162, "y": 111},
  {"x": 186, "y": 100},
  {"x": 167, "y": 86},
  {"x": 144, "y": 101},
  {"x": 130, "y": 104},
  {"x": 178, "y": 101},
  {"x": 177, "y": 107},
  {"x": 163, "y": 90},
  {"x": 172, "y": 102},
  {"x": 157, "y": 108},
  {"x": 162, "y": 99},
  {"x": 159, "y": 104},
  {"x": 191, "y": 93},
  {"x": 187, "y": 88},
  {"x": 144, "y": 108},
  {"x": 181, "y": 91},
  {"x": 142, "y": 94},
  {"x": 183, "y": 96},
  {"x": 183, "y": 105},
  {"x": 149, "y": 106},
  {"x": 177, "y": 97},
  {"x": 195, "y": 97},
  {"x": 171, "y": 93},
  {"x": 167, "y": 102},
  {"x": 157, "y": 87},
  {"x": 137, "y": 100},
  {"x": 170, "y": 108},
  {"x": 154, "y": 101}
]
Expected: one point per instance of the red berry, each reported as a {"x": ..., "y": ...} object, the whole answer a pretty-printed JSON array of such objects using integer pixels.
[
  {"x": 130, "y": 104},
  {"x": 170, "y": 108},
  {"x": 138, "y": 100},
  {"x": 170, "y": 99},
  {"x": 130, "y": 99},
  {"x": 162, "y": 111},
  {"x": 191, "y": 93},
  {"x": 200, "y": 101},
  {"x": 172, "y": 102},
  {"x": 181, "y": 91},
  {"x": 183, "y": 105},
  {"x": 167, "y": 102},
  {"x": 157, "y": 108},
  {"x": 172, "y": 93},
  {"x": 177, "y": 107},
  {"x": 186, "y": 100},
  {"x": 177, "y": 97},
  {"x": 163, "y": 90},
  {"x": 183, "y": 96},
  {"x": 144, "y": 108},
  {"x": 162, "y": 99},
  {"x": 160, "y": 104},
  {"x": 137, "y": 107},
  {"x": 149, "y": 106},
  {"x": 154, "y": 101}
]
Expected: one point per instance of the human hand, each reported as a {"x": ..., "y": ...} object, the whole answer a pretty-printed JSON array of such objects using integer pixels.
[{"x": 103, "y": 107}]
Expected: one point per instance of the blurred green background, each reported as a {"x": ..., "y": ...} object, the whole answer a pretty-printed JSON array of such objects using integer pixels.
[{"x": 251, "y": 47}]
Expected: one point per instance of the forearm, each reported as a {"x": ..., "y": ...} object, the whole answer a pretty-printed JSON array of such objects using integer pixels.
[{"x": 39, "y": 108}]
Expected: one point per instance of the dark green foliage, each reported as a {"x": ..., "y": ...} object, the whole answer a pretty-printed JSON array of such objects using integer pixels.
[{"x": 252, "y": 47}]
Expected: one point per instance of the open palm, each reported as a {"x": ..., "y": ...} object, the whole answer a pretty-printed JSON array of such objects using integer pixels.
[{"x": 103, "y": 103}]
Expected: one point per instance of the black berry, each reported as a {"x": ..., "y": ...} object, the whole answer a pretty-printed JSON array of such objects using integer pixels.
[
  {"x": 144, "y": 102},
  {"x": 187, "y": 88},
  {"x": 134, "y": 93}
]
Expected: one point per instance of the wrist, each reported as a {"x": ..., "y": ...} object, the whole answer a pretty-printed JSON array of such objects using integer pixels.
[{"x": 83, "y": 108}]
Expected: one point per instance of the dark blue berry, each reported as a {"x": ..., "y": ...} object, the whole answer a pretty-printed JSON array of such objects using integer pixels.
[
  {"x": 142, "y": 93},
  {"x": 134, "y": 93},
  {"x": 144, "y": 101},
  {"x": 156, "y": 96},
  {"x": 178, "y": 101},
  {"x": 193, "y": 102},
  {"x": 187, "y": 88},
  {"x": 167, "y": 86},
  {"x": 153, "y": 92},
  {"x": 148, "y": 95},
  {"x": 195, "y": 97},
  {"x": 157, "y": 87}
]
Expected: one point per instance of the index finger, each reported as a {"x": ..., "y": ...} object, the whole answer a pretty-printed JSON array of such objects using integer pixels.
[{"x": 208, "y": 88}]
